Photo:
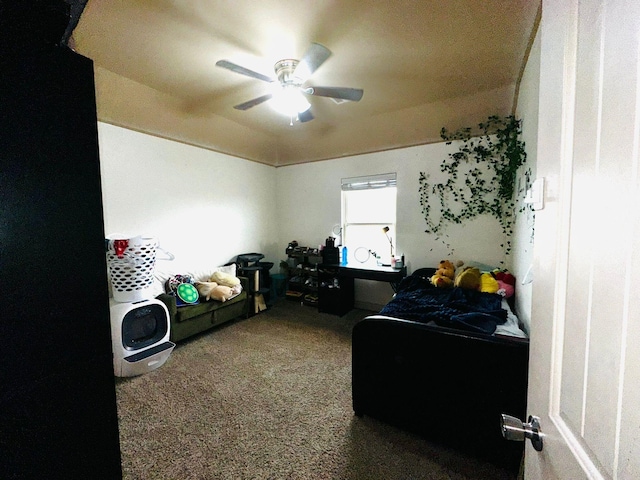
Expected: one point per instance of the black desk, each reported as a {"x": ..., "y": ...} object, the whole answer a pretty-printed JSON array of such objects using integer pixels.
[
  {"x": 372, "y": 272},
  {"x": 335, "y": 283}
]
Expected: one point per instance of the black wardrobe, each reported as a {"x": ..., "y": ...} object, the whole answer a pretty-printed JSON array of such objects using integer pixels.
[{"x": 58, "y": 414}]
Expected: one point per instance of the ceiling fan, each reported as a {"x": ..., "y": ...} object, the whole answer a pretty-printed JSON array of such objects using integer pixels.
[{"x": 289, "y": 94}]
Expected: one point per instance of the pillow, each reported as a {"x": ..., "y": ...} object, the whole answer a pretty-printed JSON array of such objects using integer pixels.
[
  {"x": 225, "y": 279},
  {"x": 204, "y": 274},
  {"x": 229, "y": 269},
  {"x": 483, "y": 267}
]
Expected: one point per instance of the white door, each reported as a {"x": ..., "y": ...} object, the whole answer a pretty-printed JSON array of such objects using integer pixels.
[{"x": 585, "y": 330}]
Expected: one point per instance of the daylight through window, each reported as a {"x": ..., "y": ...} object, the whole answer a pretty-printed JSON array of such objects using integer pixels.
[{"x": 369, "y": 205}]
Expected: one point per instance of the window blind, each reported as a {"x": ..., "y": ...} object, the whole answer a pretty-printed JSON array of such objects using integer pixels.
[{"x": 367, "y": 182}]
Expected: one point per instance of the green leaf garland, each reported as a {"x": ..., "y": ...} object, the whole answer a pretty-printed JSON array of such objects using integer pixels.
[{"x": 481, "y": 178}]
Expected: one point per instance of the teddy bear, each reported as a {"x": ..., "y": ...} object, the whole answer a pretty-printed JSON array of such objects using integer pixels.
[
  {"x": 211, "y": 290},
  {"x": 444, "y": 274},
  {"x": 227, "y": 280}
]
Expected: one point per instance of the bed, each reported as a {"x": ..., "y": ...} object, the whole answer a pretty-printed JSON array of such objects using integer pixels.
[{"x": 443, "y": 363}]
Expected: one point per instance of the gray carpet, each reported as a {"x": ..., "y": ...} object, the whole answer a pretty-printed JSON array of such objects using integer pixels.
[{"x": 269, "y": 397}]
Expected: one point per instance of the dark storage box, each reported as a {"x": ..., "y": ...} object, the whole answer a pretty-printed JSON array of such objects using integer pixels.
[{"x": 330, "y": 256}]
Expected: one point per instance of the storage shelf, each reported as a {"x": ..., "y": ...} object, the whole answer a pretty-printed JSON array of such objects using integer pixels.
[{"x": 303, "y": 277}]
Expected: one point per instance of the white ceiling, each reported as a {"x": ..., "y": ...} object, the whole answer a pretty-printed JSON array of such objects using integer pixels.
[{"x": 423, "y": 64}]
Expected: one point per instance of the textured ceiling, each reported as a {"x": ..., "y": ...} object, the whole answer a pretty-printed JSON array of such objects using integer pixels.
[{"x": 422, "y": 64}]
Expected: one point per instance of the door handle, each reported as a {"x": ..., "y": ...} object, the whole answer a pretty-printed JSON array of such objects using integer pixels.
[{"x": 515, "y": 429}]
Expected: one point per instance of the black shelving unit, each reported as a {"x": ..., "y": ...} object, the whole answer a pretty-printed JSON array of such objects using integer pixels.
[
  {"x": 335, "y": 291},
  {"x": 303, "y": 275}
]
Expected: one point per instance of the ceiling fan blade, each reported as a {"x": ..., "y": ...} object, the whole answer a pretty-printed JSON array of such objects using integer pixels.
[
  {"x": 305, "y": 116},
  {"x": 343, "y": 93},
  {"x": 315, "y": 56},
  {"x": 243, "y": 71},
  {"x": 253, "y": 103}
]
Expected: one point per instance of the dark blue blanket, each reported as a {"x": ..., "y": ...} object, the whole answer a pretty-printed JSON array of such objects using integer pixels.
[{"x": 418, "y": 300}]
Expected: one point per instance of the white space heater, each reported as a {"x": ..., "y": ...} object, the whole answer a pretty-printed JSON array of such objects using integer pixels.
[{"x": 140, "y": 337}]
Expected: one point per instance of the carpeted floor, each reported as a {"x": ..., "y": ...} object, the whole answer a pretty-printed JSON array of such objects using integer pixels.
[{"x": 269, "y": 397}]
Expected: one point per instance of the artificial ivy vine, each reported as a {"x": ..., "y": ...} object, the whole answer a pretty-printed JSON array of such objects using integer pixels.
[{"x": 481, "y": 177}]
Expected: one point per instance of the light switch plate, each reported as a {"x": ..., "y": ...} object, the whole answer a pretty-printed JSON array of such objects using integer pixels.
[{"x": 535, "y": 195}]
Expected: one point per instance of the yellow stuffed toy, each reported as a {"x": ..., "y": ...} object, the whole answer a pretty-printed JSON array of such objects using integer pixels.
[
  {"x": 488, "y": 283},
  {"x": 444, "y": 275},
  {"x": 469, "y": 278}
]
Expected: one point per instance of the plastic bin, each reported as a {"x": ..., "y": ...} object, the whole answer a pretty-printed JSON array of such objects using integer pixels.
[{"x": 278, "y": 285}]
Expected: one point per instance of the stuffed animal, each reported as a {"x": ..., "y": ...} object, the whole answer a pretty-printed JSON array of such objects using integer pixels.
[
  {"x": 222, "y": 293},
  {"x": 236, "y": 289},
  {"x": 488, "y": 283},
  {"x": 506, "y": 284},
  {"x": 444, "y": 274},
  {"x": 226, "y": 279},
  {"x": 468, "y": 278},
  {"x": 211, "y": 290},
  {"x": 506, "y": 277}
]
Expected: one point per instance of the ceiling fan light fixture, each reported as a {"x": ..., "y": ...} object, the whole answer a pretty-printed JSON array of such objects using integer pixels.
[
  {"x": 289, "y": 100},
  {"x": 288, "y": 95}
]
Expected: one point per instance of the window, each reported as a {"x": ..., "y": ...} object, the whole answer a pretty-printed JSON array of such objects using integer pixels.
[{"x": 368, "y": 206}]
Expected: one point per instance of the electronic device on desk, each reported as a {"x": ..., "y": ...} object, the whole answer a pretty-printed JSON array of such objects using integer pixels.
[
  {"x": 330, "y": 255},
  {"x": 330, "y": 252}
]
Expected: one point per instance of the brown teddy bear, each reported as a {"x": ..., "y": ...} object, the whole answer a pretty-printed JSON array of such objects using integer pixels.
[{"x": 444, "y": 275}]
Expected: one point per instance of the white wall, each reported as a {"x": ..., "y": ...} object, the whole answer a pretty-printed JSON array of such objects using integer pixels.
[
  {"x": 308, "y": 201},
  {"x": 204, "y": 207},
  {"x": 524, "y": 229}
]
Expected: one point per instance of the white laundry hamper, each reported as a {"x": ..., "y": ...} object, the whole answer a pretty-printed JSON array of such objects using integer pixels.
[{"x": 131, "y": 263}]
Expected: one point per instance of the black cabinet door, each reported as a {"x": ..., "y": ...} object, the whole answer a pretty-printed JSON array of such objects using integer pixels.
[
  {"x": 58, "y": 414},
  {"x": 335, "y": 291}
]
